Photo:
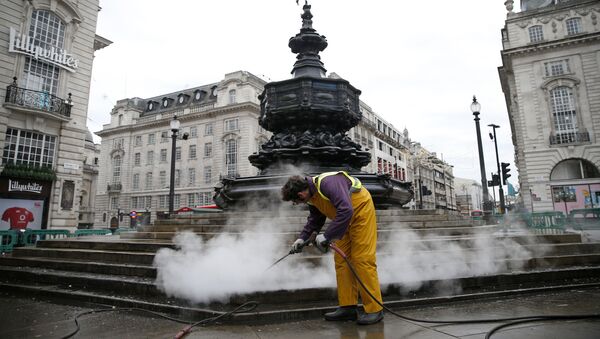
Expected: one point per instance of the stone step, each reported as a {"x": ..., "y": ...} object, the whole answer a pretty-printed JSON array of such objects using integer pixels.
[
  {"x": 82, "y": 266},
  {"x": 210, "y": 233},
  {"x": 140, "y": 264},
  {"x": 131, "y": 288},
  {"x": 289, "y": 226},
  {"x": 89, "y": 255}
]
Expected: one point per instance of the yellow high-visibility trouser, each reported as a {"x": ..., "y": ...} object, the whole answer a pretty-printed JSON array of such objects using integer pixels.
[{"x": 359, "y": 244}]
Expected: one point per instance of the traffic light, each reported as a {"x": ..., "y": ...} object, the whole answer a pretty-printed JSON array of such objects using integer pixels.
[
  {"x": 495, "y": 180},
  {"x": 505, "y": 170},
  {"x": 425, "y": 190}
]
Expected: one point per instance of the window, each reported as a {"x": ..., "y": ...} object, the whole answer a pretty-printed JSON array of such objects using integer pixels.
[
  {"x": 47, "y": 31},
  {"x": 231, "y": 125},
  {"x": 114, "y": 203},
  {"x": 232, "y": 96},
  {"x": 177, "y": 178},
  {"x": 208, "y": 129},
  {"x": 191, "y": 176},
  {"x": 150, "y": 158},
  {"x": 207, "y": 175},
  {"x": 177, "y": 201},
  {"x": 163, "y": 155},
  {"x": 120, "y": 119},
  {"x": 26, "y": 147},
  {"x": 559, "y": 67},
  {"x": 573, "y": 26},
  {"x": 208, "y": 149},
  {"x": 136, "y": 181},
  {"x": 137, "y": 159},
  {"x": 205, "y": 198},
  {"x": 162, "y": 179},
  {"x": 117, "y": 169},
  {"x": 192, "y": 199},
  {"x": 193, "y": 132},
  {"x": 138, "y": 140},
  {"x": 163, "y": 201},
  {"x": 118, "y": 143},
  {"x": 380, "y": 145},
  {"x": 164, "y": 136},
  {"x": 192, "y": 152},
  {"x": 564, "y": 115},
  {"x": 536, "y": 34},
  {"x": 177, "y": 153},
  {"x": 231, "y": 157},
  {"x": 151, "y": 139},
  {"x": 573, "y": 169},
  {"x": 149, "y": 180}
]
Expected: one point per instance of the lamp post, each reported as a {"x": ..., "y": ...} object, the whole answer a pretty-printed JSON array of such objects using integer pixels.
[
  {"x": 174, "y": 124},
  {"x": 500, "y": 189},
  {"x": 475, "y": 108}
]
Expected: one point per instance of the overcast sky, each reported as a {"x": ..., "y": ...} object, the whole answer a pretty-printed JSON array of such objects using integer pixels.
[{"x": 417, "y": 63}]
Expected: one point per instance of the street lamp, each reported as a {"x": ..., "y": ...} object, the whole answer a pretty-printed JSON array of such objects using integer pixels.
[
  {"x": 475, "y": 108},
  {"x": 500, "y": 189},
  {"x": 174, "y": 124}
]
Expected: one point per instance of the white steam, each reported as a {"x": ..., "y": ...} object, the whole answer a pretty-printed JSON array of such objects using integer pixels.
[
  {"x": 236, "y": 263},
  {"x": 230, "y": 264}
]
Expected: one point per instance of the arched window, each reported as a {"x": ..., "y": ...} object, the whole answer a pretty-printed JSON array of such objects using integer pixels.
[
  {"x": 117, "y": 169},
  {"x": 564, "y": 114},
  {"x": 574, "y": 169},
  {"x": 231, "y": 157},
  {"x": 47, "y": 31}
]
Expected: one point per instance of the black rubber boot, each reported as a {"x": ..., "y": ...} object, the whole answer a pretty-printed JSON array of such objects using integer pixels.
[
  {"x": 370, "y": 318},
  {"x": 342, "y": 313}
]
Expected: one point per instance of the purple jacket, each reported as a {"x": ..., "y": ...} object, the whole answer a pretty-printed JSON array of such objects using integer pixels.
[{"x": 335, "y": 188}]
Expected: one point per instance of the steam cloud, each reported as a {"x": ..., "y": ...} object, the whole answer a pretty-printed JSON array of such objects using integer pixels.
[{"x": 213, "y": 270}]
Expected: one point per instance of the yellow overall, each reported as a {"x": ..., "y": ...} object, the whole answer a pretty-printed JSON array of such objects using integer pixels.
[{"x": 359, "y": 243}]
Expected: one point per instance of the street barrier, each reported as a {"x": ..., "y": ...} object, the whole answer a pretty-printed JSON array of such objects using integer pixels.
[{"x": 8, "y": 239}]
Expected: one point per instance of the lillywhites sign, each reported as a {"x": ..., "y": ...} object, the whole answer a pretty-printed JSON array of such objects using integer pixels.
[
  {"x": 15, "y": 186},
  {"x": 22, "y": 43}
]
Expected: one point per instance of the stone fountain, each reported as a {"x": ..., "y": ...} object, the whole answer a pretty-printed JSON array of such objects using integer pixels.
[{"x": 309, "y": 116}]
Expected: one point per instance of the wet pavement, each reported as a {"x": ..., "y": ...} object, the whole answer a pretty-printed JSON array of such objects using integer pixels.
[{"x": 27, "y": 317}]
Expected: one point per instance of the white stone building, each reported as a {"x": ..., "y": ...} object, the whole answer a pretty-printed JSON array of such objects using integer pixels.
[
  {"x": 47, "y": 50},
  {"x": 550, "y": 76},
  {"x": 221, "y": 120}
]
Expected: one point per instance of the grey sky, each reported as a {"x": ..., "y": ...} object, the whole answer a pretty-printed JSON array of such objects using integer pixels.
[{"x": 417, "y": 63}]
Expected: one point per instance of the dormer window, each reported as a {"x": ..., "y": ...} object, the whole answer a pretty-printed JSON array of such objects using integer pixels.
[
  {"x": 182, "y": 99},
  {"x": 213, "y": 91},
  {"x": 199, "y": 95},
  {"x": 166, "y": 102},
  {"x": 152, "y": 105}
]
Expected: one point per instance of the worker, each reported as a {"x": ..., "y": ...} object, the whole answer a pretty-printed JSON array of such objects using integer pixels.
[{"x": 353, "y": 228}]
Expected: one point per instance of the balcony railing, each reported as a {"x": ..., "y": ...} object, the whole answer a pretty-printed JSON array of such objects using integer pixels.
[
  {"x": 114, "y": 187},
  {"x": 569, "y": 138},
  {"x": 37, "y": 100}
]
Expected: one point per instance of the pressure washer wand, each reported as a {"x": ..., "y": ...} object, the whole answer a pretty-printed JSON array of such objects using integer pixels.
[{"x": 308, "y": 241}]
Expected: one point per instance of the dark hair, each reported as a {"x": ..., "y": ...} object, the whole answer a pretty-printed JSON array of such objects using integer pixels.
[{"x": 294, "y": 185}]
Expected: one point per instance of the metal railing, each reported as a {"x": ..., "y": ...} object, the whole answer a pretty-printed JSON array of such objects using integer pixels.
[
  {"x": 114, "y": 187},
  {"x": 38, "y": 100},
  {"x": 569, "y": 138}
]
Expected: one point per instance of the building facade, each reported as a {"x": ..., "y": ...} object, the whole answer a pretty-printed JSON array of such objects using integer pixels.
[
  {"x": 550, "y": 76},
  {"x": 221, "y": 122},
  {"x": 47, "y": 50},
  {"x": 432, "y": 178}
]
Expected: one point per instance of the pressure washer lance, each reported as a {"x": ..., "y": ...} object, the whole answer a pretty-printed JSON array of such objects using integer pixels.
[{"x": 308, "y": 241}]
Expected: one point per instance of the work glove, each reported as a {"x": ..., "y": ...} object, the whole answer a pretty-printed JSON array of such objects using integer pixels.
[
  {"x": 322, "y": 243},
  {"x": 297, "y": 246}
]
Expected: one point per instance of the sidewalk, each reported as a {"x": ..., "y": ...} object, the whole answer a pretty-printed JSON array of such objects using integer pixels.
[{"x": 22, "y": 317}]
